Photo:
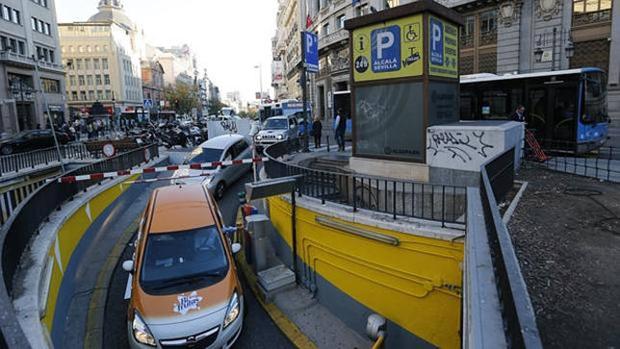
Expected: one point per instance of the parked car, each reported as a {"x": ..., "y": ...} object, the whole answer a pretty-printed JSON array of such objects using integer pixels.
[
  {"x": 221, "y": 148},
  {"x": 31, "y": 140},
  {"x": 277, "y": 129},
  {"x": 185, "y": 291}
]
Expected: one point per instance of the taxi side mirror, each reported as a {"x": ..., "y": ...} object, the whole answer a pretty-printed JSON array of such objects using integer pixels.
[
  {"x": 128, "y": 266},
  {"x": 236, "y": 248}
]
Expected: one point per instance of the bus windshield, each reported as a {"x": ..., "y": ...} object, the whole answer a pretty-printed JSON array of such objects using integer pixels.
[
  {"x": 595, "y": 101},
  {"x": 275, "y": 124}
]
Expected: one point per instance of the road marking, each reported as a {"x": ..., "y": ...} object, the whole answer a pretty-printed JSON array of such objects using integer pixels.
[{"x": 128, "y": 287}]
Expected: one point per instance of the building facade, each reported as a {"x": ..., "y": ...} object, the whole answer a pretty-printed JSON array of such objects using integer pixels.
[
  {"x": 30, "y": 69},
  {"x": 102, "y": 56},
  {"x": 179, "y": 63},
  {"x": 153, "y": 85}
]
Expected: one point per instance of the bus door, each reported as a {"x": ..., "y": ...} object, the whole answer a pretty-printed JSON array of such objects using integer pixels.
[
  {"x": 563, "y": 98},
  {"x": 537, "y": 110}
]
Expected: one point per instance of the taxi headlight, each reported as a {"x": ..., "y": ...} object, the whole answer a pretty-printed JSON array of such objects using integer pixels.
[
  {"x": 141, "y": 332},
  {"x": 232, "y": 313},
  {"x": 280, "y": 137},
  {"x": 259, "y": 137}
]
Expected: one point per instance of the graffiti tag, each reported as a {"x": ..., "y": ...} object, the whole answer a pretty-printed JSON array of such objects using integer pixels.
[{"x": 463, "y": 145}]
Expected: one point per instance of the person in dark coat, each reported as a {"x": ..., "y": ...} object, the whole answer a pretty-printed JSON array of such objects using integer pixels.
[
  {"x": 317, "y": 129},
  {"x": 340, "y": 128},
  {"x": 519, "y": 114}
]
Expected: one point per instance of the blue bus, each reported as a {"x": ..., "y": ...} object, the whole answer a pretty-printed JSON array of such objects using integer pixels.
[
  {"x": 285, "y": 108},
  {"x": 566, "y": 110}
]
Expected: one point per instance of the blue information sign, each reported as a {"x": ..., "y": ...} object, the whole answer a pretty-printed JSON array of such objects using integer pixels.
[
  {"x": 436, "y": 39},
  {"x": 386, "y": 51},
  {"x": 310, "y": 44}
]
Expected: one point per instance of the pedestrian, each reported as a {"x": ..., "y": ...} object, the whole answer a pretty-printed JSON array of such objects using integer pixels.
[
  {"x": 340, "y": 126},
  {"x": 89, "y": 130},
  {"x": 519, "y": 114},
  {"x": 317, "y": 129}
]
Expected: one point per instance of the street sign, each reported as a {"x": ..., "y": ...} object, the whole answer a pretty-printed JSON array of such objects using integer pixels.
[
  {"x": 310, "y": 45},
  {"x": 389, "y": 50},
  {"x": 443, "y": 47},
  {"x": 148, "y": 103}
]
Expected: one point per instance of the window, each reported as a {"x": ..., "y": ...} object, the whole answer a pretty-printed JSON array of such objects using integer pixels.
[
  {"x": 104, "y": 63},
  {"x": 91, "y": 95},
  {"x": 82, "y": 95},
  {"x": 40, "y": 26},
  {"x": 17, "y": 19},
  {"x": 488, "y": 21},
  {"x": 89, "y": 80},
  {"x": 33, "y": 21},
  {"x": 22, "y": 48},
  {"x": 100, "y": 95},
  {"x": 81, "y": 80},
  {"x": 98, "y": 80},
  {"x": 591, "y": 11},
  {"x": 96, "y": 64},
  {"x": 50, "y": 86},
  {"x": 392, "y": 3},
  {"x": 52, "y": 56},
  {"x": 87, "y": 63},
  {"x": 71, "y": 80},
  {"x": 340, "y": 21},
  {"x": 362, "y": 10},
  {"x": 74, "y": 95},
  {"x": 78, "y": 64},
  {"x": 326, "y": 29},
  {"x": 108, "y": 94},
  {"x": 106, "y": 78},
  {"x": 6, "y": 13},
  {"x": 48, "y": 29}
]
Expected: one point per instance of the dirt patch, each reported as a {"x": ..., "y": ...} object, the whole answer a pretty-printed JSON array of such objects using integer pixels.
[{"x": 566, "y": 231}]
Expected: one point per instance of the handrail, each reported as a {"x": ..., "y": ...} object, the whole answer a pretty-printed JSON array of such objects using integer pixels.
[
  {"x": 20, "y": 161},
  {"x": 16, "y": 234},
  {"x": 395, "y": 197},
  {"x": 367, "y": 234}
]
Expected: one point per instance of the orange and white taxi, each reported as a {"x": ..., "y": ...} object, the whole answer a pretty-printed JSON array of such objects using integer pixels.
[{"x": 185, "y": 292}]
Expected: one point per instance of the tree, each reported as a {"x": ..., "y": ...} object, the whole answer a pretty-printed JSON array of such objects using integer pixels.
[
  {"x": 215, "y": 105},
  {"x": 248, "y": 114},
  {"x": 182, "y": 97}
]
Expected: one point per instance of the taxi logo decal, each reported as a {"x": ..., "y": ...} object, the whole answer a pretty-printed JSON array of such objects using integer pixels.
[{"x": 187, "y": 303}]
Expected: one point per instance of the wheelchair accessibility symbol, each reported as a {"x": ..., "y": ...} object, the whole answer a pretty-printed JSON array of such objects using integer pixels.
[{"x": 411, "y": 32}]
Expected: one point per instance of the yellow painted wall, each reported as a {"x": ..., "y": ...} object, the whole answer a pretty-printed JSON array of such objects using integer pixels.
[
  {"x": 416, "y": 284},
  {"x": 68, "y": 238}
]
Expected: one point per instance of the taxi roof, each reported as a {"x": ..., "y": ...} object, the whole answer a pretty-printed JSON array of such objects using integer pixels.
[{"x": 180, "y": 208}]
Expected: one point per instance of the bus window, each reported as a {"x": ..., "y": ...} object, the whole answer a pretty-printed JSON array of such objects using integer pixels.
[
  {"x": 564, "y": 113},
  {"x": 495, "y": 105},
  {"x": 595, "y": 106},
  {"x": 536, "y": 115},
  {"x": 468, "y": 109}
]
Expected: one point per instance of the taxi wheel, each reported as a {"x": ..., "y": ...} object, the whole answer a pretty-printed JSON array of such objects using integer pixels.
[{"x": 220, "y": 188}]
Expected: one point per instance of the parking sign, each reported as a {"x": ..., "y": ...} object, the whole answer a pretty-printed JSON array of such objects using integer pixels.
[
  {"x": 310, "y": 45},
  {"x": 436, "y": 41},
  {"x": 386, "y": 51}
]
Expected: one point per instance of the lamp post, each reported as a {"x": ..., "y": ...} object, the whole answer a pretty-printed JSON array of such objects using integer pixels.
[
  {"x": 569, "y": 49},
  {"x": 260, "y": 81},
  {"x": 47, "y": 108},
  {"x": 538, "y": 54}
]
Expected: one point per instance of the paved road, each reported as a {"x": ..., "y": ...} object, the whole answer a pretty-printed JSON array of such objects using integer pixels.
[{"x": 258, "y": 332}]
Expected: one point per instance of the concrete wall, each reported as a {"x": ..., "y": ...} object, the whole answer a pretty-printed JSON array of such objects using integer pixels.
[{"x": 415, "y": 285}]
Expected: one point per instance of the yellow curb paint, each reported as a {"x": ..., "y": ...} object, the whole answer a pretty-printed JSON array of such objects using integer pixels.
[{"x": 290, "y": 330}]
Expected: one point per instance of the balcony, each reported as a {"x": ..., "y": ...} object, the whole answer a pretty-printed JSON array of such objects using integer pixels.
[
  {"x": 333, "y": 38},
  {"x": 585, "y": 18},
  {"x": 21, "y": 61}
]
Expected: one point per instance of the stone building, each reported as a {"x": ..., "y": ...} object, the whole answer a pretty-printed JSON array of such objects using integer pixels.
[
  {"x": 29, "y": 38},
  {"x": 103, "y": 56},
  {"x": 153, "y": 84}
]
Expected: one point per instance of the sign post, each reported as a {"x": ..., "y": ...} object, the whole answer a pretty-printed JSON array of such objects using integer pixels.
[
  {"x": 404, "y": 79},
  {"x": 310, "y": 62}
]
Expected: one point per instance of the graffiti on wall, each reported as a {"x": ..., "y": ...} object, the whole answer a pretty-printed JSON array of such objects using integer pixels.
[{"x": 462, "y": 145}]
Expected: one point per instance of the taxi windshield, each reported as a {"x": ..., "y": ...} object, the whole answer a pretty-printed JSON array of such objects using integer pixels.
[{"x": 183, "y": 261}]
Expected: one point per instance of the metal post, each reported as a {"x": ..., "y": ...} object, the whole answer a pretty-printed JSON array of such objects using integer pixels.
[
  {"x": 49, "y": 115},
  {"x": 294, "y": 234},
  {"x": 304, "y": 89}
]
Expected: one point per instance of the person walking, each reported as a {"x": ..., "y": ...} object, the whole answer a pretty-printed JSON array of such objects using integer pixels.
[
  {"x": 317, "y": 129},
  {"x": 340, "y": 127}
]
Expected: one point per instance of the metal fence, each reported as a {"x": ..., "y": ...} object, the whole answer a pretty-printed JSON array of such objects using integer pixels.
[
  {"x": 24, "y": 161},
  {"x": 519, "y": 321},
  {"x": 441, "y": 203},
  {"x": 602, "y": 163}
]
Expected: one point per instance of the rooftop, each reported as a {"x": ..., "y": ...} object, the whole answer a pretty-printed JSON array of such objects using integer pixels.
[{"x": 180, "y": 208}]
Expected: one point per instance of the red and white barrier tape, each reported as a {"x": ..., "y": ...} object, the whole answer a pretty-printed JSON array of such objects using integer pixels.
[{"x": 104, "y": 175}]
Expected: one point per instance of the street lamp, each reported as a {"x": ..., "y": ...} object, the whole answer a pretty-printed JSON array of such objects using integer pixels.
[
  {"x": 538, "y": 54},
  {"x": 569, "y": 49},
  {"x": 260, "y": 80}
]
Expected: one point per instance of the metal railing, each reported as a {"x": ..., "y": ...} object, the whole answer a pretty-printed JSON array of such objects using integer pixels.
[
  {"x": 519, "y": 321},
  {"x": 23, "y": 161},
  {"x": 398, "y": 198},
  {"x": 31, "y": 213},
  {"x": 601, "y": 163}
]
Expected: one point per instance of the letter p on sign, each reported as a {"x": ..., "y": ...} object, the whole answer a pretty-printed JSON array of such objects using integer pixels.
[{"x": 385, "y": 40}]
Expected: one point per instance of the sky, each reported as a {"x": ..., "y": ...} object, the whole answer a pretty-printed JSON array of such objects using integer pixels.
[{"x": 229, "y": 37}]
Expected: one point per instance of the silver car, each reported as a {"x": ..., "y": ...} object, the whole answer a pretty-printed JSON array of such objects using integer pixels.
[{"x": 221, "y": 148}]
